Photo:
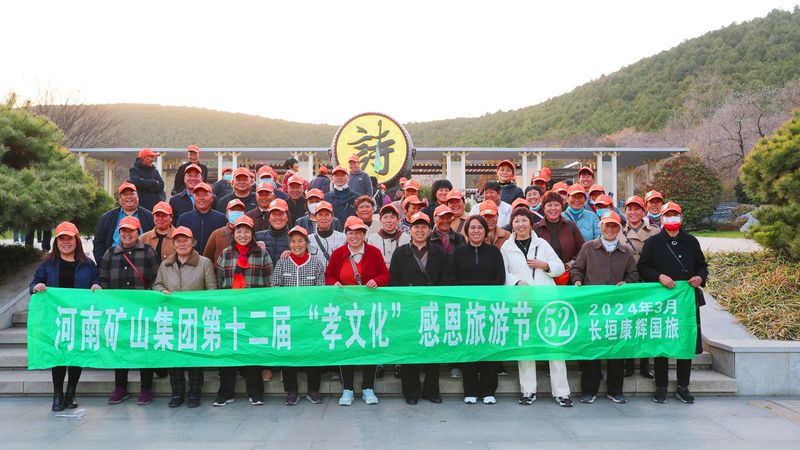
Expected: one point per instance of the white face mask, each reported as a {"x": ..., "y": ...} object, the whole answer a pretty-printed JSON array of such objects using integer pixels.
[
  {"x": 312, "y": 208},
  {"x": 340, "y": 188},
  {"x": 610, "y": 246},
  {"x": 670, "y": 219}
]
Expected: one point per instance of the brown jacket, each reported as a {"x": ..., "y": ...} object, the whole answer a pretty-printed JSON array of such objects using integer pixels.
[
  {"x": 635, "y": 239},
  {"x": 260, "y": 219},
  {"x": 569, "y": 236},
  {"x": 196, "y": 274},
  {"x": 151, "y": 239},
  {"x": 458, "y": 224},
  {"x": 219, "y": 240},
  {"x": 595, "y": 265},
  {"x": 500, "y": 237}
]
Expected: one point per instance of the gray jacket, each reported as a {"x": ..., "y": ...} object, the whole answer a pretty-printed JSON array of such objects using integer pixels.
[{"x": 196, "y": 274}]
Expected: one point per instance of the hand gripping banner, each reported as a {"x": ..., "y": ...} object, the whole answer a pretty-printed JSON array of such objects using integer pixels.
[{"x": 327, "y": 325}]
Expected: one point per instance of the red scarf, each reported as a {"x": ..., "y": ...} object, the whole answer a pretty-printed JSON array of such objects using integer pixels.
[
  {"x": 241, "y": 265},
  {"x": 299, "y": 260}
]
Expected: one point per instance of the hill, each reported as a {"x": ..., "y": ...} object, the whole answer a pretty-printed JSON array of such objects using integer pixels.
[{"x": 642, "y": 96}]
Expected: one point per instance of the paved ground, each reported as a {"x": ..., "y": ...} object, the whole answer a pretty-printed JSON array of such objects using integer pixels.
[
  {"x": 713, "y": 422},
  {"x": 712, "y": 244}
]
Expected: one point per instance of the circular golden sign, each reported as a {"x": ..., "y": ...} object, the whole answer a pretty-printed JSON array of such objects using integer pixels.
[{"x": 383, "y": 146}]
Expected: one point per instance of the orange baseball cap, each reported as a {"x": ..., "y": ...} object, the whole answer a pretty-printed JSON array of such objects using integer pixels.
[
  {"x": 455, "y": 194},
  {"x": 146, "y": 152},
  {"x": 324, "y": 205},
  {"x": 603, "y": 200},
  {"x": 126, "y": 185},
  {"x": 278, "y": 204},
  {"x": 244, "y": 220},
  {"x": 185, "y": 231},
  {"x": 296, "y": 180},
  {"x": 338, "y": 169},
  {"x": 67, "y": 228},
  {"x": 265, "y": 187},
  {"x": 561, "y": 187},
  {"x": 315, "y": 193},
  {"x": 265, "y": 170},
  {"x": 651, "y": 195},
  {"x": 234, "y": 203},
  {"x": 635, "y": 200},
  {"x": 241, "y": 171},
  {"x": 506, "y": 162},
  {"x": 441, "y": 210},
  {"x": 298, "y": 229},
  {"x": 546, "y": 172},
  {"x": 412, "y": 199},
  {"x": 323, "y": 170},
  {"x": 671, "y": 206},
  {"x": 193, "y": 148},
  {"x": 586, "y": 169},
  {"x": 518, "y": 202},
  {"x": 387, "y": 208},
  {"x": 354, "y": 223},
  {"x": 596, "y": 188},
  {"x": 411, "y": 184},
  {"x": 202, "y": 186},
  {"x": 610, "y": 217},
  {"x": 162, "y": 207},
  {"x": 576, "y": 189},
  {"x": 421, "y": 217},
  {"x": 353, "y": 158},
  {"x": 539, "y": 176},
  {"x": 129, "y": 222},
  {"x": 193, "y": 167},
  {"x": 226, "y": 169},
  {"x": 488, "y": 208}
]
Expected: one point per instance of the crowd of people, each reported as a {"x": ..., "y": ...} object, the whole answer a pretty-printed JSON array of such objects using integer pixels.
[{"x": 252, "y": 230}]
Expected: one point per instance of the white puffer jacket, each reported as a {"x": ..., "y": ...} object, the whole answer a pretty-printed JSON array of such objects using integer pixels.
[{"x": 517, "y": 264}]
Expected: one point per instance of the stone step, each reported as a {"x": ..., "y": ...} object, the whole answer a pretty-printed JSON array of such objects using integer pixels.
[
  {"x": 20, "y": 319},
  {"x": 13, "y": 358},
  {"x": 101, "y": 383},
  {"x": 14, "y": 337}
]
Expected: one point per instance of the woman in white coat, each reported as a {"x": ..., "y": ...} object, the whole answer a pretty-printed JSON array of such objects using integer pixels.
[{"x": 531, "y": 261}]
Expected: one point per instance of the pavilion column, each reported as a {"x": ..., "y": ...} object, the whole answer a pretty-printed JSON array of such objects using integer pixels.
[
  {"x": 220, "y": 163},
  {"x": 310, "y": 165},
  {"x": 108, "y": 175},
  {"x": 463, "y": 180},
  {"x": 234, "y": 159},
  {"x": 599, "y": 171},
  {"x": 629, "y": 182},
  {"x": 82, "y": 159},
  {"x": 539, "y": 156},
  {"x": 160, "y": 163},
  {"x": 614, "y": 175},
  {"x": 525, "y": 174},
  {"x": 447, "y": 173}
]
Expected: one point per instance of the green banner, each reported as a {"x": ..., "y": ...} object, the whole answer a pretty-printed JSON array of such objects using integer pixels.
[{"x": 327, "y": 325}]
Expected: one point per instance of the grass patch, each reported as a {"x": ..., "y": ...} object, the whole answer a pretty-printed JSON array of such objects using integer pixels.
[
  {"x": 12, "y": 257},
  {"x": 761, "y": 289},
  {"x": 718, "y": 234}
]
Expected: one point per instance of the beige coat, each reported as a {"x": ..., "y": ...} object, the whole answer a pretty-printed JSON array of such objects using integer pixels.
[
  {"x": 151, "y": 239},
  {"x": 197, "y": 274},
  {"x": 634, "y": 240}
]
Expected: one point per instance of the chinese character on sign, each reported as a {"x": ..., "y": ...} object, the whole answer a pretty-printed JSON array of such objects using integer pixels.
[
  {"x": 331, "y": 318},
  {"x": 66, "y": 327},
  {"x": 111, "y": 330},
  {"x": 672, "y": 307},
  {"x": 281, "y": 330},
  {"x": 355, "y": 316},
  {"x": 429, "y": 325},
  {"x": 452, "y": 324},
  {"x": 258, "y": 340},
  {"x": 378, "y": 153},
  {"x": 376, "y": 322},
  {"x": 522, "y": 321},
  {"x": 499, "y": 319},
  {"x": 235, "y": 326},
  {"x": 187, "y": 329},
  {"x": 671, "y": 328},
  {"x": 90, "y": 329},
  {"x": 641, "y": 328},
  {"x": 655, "y": 328},
  {"x": 211, "y": 338},
  {"x": 140, "y": 331},
  {"x": 625, "y": 329},
  {"x": 611, "y": 329},
  {"x": 476, "y": 316},
  {"x": 595, "y": 329},
  {"x": 164, "y": 332}
]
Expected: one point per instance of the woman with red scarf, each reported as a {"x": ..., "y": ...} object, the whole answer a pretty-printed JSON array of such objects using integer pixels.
[
  {"x": 357, "y": 263},
  {"x": 242, "y": 265}
]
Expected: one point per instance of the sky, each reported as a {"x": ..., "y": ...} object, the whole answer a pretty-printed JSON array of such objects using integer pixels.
[{"x": 325, "y": 61}]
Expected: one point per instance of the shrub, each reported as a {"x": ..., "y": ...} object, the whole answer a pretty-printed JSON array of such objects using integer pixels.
[{"x": 687, "y": 181}]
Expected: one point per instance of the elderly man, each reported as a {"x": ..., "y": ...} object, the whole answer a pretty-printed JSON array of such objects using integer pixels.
[
  {"x": 222, "y": 187},
  {"x": 586, "y": 178},
  {"x": 276, "y": 237},
  {"x": 183, "y": 202},
  {"x": 341, "y": 196},
  {"x": 193, "y": 154},
  {"x": 455, "y": 201},
  {"x": 492, "y": 192},
  {"x": 411, "y": 206},
  {"x": 221, "y": 238},
  {"x": 147, "y": 180},
  {"x": 266, "y": 174},
  {"x": 359, "y": 181},
  {"x": 241, "y": 191},
  {"x": 314, "y": 198},
  {"x": 265, "y": 194},
  {"x": 587, "y": 221},
  {"x": 107, "y": 234},
  {"x": 202, "y": 220},
  {"x": 653, "y": 201},
  {"x": 297, "y": 198},
  {"x": 410, "y": 187},
  {"x": 443, "y": 234},
  {"x": 325, "y": 238},
  {"x": 321, "y": 181},
  {"x": 160, "y": 237}
]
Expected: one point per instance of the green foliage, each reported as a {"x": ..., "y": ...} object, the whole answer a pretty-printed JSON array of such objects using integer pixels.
[
  {"x": 771, "y": 177},
  {"x": 41, "y": 183},
  {"x": 687, "y": 181}
]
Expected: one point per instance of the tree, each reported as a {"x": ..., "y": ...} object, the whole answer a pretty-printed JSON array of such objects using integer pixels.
[
  {"x": 688, "y": 182},
  {"x": 84, "y": 126},
  {"x": 771, "y": 177},
  {"x": 41, "y": 183}
]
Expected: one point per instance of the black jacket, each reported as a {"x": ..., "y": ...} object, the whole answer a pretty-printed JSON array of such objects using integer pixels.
[
  {"x": 104, "y": 234},
  {"x": 657, "y": 259},
  {"x": 456, "y": 239},
  {"x": 478, "y": 265},
  {"x": 404, "y": 270},
  {"x": 179, "y": 184},
  {"x": 148, "y": 184},
  {"x": 297, "y": 209},
  {"x": 181, "y": 203},
  {"x": 249, "y": 202}
]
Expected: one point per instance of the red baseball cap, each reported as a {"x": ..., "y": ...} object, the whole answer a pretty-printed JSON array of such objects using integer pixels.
[
  {"x": 442, "y": 210},
  {"x": 561, "y": 187},
  {"x": 323, "y": 170},
  {"x": 278, "y": 204},
  {"x": 635, "y": 200},
  {"x": 576, "y": 189},
  {"x": 265, "y": 187},
  {"x": 353, "y": 158},
  {"x": 324, "y": 205},
  {"x": 244, "y": 220},
  {"x": 508, "y": 163},
  {"x": 193, "y": 148},
  {"x": 455, "y": 194},
  {"x": 298, "y": 229},
  {"x": 146, "y": 152},
  {"x": 651, "y": 195},
  {"x": 411, "y": 184},
  {"x": 671, "y": 206},
  {"x": 539, "y": 176},
  {"x": 296, "y": 180},
  {"x": 338, "y": 169},
  {"x": 421, "y": 217},
  {"x": 162, "y": 207},
  {"x": 586, "y": 169},
  {"x": 126, "y": 185},
  {"x": 242, "y": 171},
  {"x": 266, "y": 170},
  {"x": 193, "y": 167},
  {"x": 67, "y": 228},
  {"x": 226, "y": 169},
  {"x": 488, "y": 208},
  {"x": 234, "y": 203},
  {"x": 387, "y": 208},
  {"x": 412, "y": 199},
  {"x": 518, "y": 202},
  {"x": 202, "y": 186},
  {"x": 603, "y": 199},
  {"x": 129, "y": 222},
  {"x": 185, "y": 231},
  {"x": 354, "y": 223},
  {"x": 610, "y": 217},
  {"x": 315, "y": 193},
  {"x": 596, "y": 188}
]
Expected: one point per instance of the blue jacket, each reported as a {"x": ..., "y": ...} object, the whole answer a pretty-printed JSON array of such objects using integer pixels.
[
  {"x": 343, "y": 203},
  {"x": 202, "y": 225},
  {"x": 104, "y": 233},
  {"x": 510, "y": 192},
  {"x": 181, "y": 203},
  {"x": 276, "y": 242},
  {"x": 587, "y": 222},
  {"x": 86, "y": 274},
  {"x": 149, "y": 184},
  {"x": 360, "y": 184},
  {"x": 320, "y": 182}
]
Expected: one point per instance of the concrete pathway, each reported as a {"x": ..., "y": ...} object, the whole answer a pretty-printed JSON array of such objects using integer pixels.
[
  {"x": 712, "y": 244},
  {"x": 713, "y": 422}
]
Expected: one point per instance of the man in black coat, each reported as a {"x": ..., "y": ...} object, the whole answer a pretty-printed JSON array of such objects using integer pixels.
[
  {"x": 107, "y": 235},
  {"x": 183, "y": 201},
  {"x": 241, "y": 191},
  {"x": 193, "y": 152},
  {"x": 419, "y": 264},
  {"x": 147, "y": 180},
  {"x": 674, "y": 255}
]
